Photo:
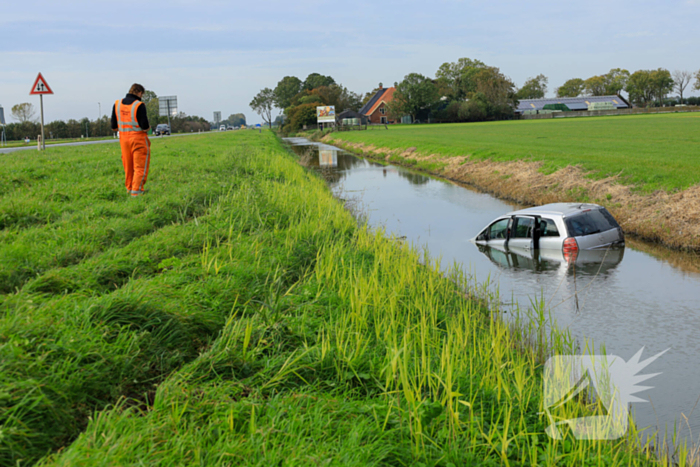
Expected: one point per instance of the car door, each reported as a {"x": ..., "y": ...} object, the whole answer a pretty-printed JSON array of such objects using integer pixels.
[
  {"x": 521, "y": 233},
  {"x": 550, "y": 237},
  {"x": 496, "y": 234}
]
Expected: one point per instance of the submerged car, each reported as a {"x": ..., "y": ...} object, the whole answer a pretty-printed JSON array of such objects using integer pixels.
[{"x": 567, "y": 227}]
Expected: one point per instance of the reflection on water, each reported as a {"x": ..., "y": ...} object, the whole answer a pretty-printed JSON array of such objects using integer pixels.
[
  {"x": 626, "y": 299},
  {"x": 584, "y": 262},
  {"x": 328, "y": 158}
]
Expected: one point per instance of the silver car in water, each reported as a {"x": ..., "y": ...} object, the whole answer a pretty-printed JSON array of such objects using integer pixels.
[{"x": 567, "y": 227}]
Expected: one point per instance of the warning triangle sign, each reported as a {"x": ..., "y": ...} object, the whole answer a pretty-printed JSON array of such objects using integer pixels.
[{"x": 40, "y": 86}]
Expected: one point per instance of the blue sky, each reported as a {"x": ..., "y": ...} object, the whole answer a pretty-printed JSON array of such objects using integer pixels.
[{"x": 217, "y": 55}]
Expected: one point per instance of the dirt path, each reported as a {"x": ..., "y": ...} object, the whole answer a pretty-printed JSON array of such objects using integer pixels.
[{"x": 672, "y": 219}]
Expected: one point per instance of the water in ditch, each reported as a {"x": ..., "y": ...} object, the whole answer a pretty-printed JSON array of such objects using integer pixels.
[{"x": 641, "y": 296}]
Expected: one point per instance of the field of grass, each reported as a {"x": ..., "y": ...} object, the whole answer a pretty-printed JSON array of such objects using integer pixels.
[
  {"x": 238, "y": 315},
  {"x": 649, "y": 151}
]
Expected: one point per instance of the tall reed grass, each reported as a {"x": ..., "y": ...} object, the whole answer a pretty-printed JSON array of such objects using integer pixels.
[{"x": 271, "y": 329}]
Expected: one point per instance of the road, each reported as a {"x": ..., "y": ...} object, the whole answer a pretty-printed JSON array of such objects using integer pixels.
[{"x": 83, "y": 143}]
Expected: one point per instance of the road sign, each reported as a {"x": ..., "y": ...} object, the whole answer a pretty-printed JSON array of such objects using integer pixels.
[
  {"x": 40, "y": 86},
  {"x": 167, "y": 106},
  {"x": 2, "y": 116},
  {"x": 217, "y": 117}
]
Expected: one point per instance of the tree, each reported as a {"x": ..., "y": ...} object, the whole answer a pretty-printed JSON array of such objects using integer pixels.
[
  {"x": 234, "y": 120},
  {"x": 458, "y": 78},
  {"x": 697, "y": 80},
  {"x": 595, "y": 85},
  {"x": 571, "y": 88},
  {"x": 534, "y": 88},
  {"x": 300, "y": 115},
  {"x": 497, "y": 88},
  {"x": 639, "y": 87},
  {"x": 338, "y": 96},
  {"x": 150, "y": 99},
  {"x": 662, "y": 83},
  {"x": 286, "y": 89},
  {"x": 263, "y": 104},
  {"x": 316, "y": 80},
  {"x": 681, "y": 79},
  {"x": 615, "y": 81},
  {"x": 23, "y": 112},
  {"x": 414, "y": 93}
]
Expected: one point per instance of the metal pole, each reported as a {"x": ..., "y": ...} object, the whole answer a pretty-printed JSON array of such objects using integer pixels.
[
  {"x": 43, "y": 143},
  {"x": 169, "y": 125}
]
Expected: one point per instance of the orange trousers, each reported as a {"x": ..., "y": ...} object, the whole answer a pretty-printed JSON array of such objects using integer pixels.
[{"x": 136, "y": 157}]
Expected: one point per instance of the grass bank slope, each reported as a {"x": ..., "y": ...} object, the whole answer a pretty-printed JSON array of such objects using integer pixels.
[
  {"x": 257, "y": 325},
  {"x": 644, "y": 168}
]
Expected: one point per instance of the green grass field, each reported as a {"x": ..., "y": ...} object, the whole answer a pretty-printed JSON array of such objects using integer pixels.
[
  {"x": 238, "y": 315},
  {"x": 649, "y": 151}
]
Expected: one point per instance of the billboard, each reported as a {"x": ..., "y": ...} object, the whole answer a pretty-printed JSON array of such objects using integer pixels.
[
  {"x": 217, "y": 117},
  {"x": 2, "y": 116},
  {"x": 325, "y": 113}
]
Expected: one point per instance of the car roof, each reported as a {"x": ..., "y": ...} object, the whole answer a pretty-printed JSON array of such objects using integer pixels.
[{"x": 557, "y": 209}]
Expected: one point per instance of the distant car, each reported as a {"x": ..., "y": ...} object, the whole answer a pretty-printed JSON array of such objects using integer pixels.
[
  {"x": 568, "y": 227},
  {"x": 230, "y": 128},
  {"x": 162, "y": 129},
  {"x": 222, "y": 128}
]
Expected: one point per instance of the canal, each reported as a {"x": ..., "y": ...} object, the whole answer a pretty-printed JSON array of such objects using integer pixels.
[{"x": 625, "y": 300}]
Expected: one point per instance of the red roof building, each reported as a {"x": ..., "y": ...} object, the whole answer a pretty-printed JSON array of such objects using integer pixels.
[{"x": 376, "y": 110}]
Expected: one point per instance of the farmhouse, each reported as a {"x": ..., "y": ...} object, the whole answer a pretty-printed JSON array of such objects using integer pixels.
[
  {"x": 573, "y": 103},
  {"x": 375, "y": 109}
]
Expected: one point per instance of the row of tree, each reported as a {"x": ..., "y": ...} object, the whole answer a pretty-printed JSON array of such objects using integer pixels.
[
  {"x": 298, "y": 100},
  {"x": 28, "y": 126},
  {"x": 644, "y": 87},
  {"x": 465, "y": 90},
  {"x": 233, "y": 120}
]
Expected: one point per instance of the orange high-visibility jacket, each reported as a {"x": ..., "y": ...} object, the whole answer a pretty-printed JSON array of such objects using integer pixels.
[{"x": 126, "y": 118}]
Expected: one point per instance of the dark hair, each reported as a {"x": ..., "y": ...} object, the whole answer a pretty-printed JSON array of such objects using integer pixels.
[{"x": 136, "y": 89}]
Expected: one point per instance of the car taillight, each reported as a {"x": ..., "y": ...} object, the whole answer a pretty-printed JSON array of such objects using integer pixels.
[{"x": 570, "y": 245}]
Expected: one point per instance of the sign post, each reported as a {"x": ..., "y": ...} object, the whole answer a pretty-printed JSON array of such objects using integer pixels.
[
  {"x": 167, "y": 105},
  {"x": 41, "y": 87},
  {"x": 3, "y": 140},
  {"x": 325, "y": 114}
]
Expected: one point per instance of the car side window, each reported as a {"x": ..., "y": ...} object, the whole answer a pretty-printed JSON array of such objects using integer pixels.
[
  {"x": 548, "y": 228},
  {"x": 498, "y": 229},
  {"x": 523, "y": 227}
]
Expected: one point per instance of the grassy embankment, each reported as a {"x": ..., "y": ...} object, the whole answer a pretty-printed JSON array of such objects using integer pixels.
[
  {"x": 644, "y": 168},
  {"x": 238, "y": 316}
]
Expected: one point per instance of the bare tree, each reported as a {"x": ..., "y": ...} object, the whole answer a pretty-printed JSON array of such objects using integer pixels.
[
  {"x": 23, "y": 112},
  {"x": 681, "y": 79}
]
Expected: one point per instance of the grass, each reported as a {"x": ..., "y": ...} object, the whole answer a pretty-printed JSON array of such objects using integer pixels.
[
  {"x": 238, "y": 315},
  {"x": 651, "y": 152}
]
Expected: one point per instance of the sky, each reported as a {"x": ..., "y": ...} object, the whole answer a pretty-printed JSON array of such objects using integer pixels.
[{"x": 216, "y": 55}]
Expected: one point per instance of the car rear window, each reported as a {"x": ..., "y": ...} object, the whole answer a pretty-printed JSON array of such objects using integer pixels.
[{"x": 591, "y": 222}]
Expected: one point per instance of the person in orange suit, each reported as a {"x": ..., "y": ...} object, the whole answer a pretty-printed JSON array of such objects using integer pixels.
[{"x": 129, "y": 117}]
